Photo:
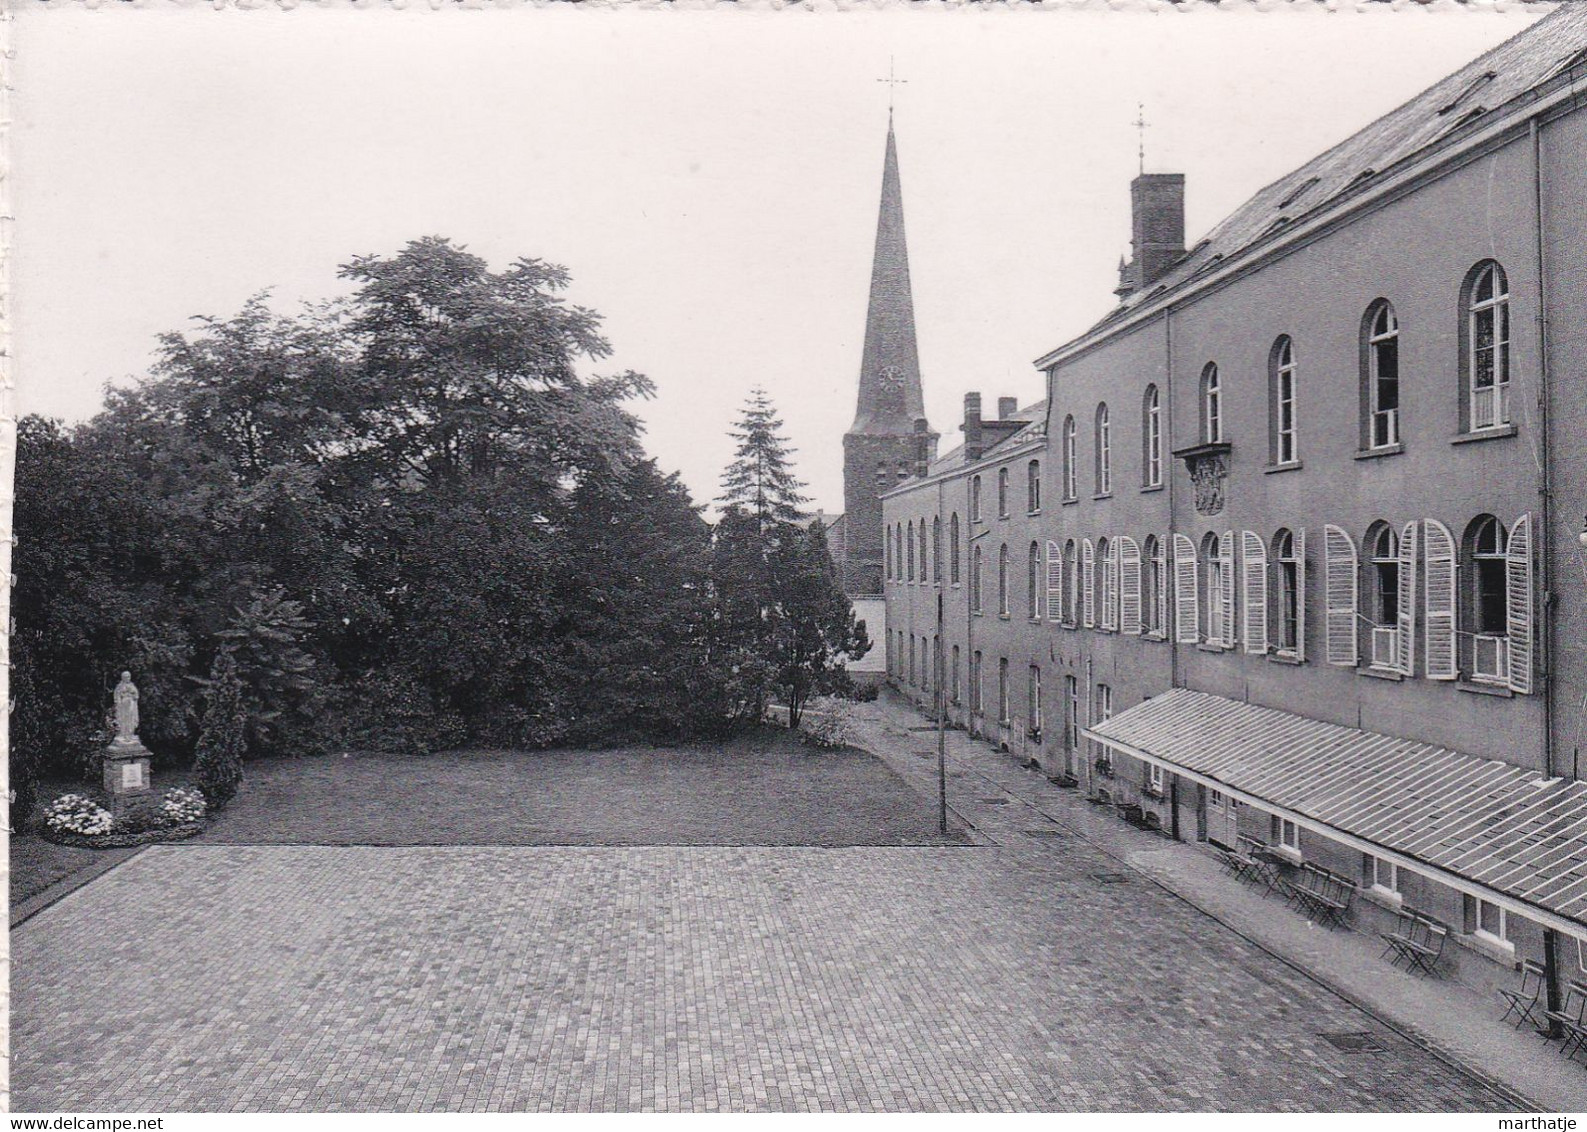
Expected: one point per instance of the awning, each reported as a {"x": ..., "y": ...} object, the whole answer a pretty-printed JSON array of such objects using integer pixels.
[{"x": 1508, "y": 835}]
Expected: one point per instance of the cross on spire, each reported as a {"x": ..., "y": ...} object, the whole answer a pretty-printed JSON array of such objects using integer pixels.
[
  {"x": 891, "y": 84},
  {"x": 1140, "y": 125}
]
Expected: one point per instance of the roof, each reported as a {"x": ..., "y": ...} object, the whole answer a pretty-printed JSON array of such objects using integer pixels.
[
  {"x": 1506, "y": 829},
  {"x": 1035, "y": 416},
  {"x": 1467, "y": 98}
]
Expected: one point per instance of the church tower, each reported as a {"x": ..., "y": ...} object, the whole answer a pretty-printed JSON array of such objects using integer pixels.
[{"x": 889, "y": 440}]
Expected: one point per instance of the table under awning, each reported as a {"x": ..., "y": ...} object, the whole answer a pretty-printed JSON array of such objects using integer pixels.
[{"x": 1508, "y": 835}]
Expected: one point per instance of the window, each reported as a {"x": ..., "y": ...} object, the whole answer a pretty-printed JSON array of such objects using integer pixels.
[
  {"x": 936, "y": 550},
  {"x": 1033, "y": 583},
  {"x": 1287, "y": 834},
  {"x": 1380, "y": 377},
  {"x": 1154, "y": 606},
  {"x": 1033, "y": 486},
  {"x": 1211, "y": 587},
  {"x": 1104, "y": 447},
  {"x": 1033, "y": 704},
  {"x": 1070, "y": 489},
  {"x": 909, "y": 573},
  {"x": 953, "y": 675},
  {"x": 1152, "y": 439},
  {"x": 911, "y": 658},
  {"x": 887, "y": 534},
  {"x": 1071, "y": 718},
  {"x": 1071, "y": 585},
  {"x": 975, "y": 580},
  {"x": 975, "y": 681},
  {"x": 1002, "y": 493},
  {"x": 1002, "y": 580},
  {"x": 1383, "y": 593},
  {"x": 935, "y": 678},
  {"x": 923, "y": 578},
  {"x": 975, "y": 499},
  {"x": 1106, "y": 581},
  {"x": 1211, "y": 405},
  {"x": 1487, "y": 920},
  {"x": 1381, "y": 876},
  {"x": 1288, "y": 599},
  {"x": 1002, "y": 690},
  {"x": 1485, "y": 614},
  {"x": 1102, "y": 711},
  {"x": 1281, "y": 403},
  {"x": 1156, "y": 780},
  {"x": 925, "y": 665},
  {"x": 1486, "y": 345},
  {"x": 953, "y": 548}
]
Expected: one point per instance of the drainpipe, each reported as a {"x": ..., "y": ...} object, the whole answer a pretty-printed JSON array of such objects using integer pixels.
[{"x": 1545, "y": 624}]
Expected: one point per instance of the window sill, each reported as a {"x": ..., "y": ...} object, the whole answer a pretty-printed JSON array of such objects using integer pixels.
[
  {"x": 1293, "y": 856},
  {"x": 977, "y": 613},
  {"x": 1211, "y": 646},
  {"x": 1285, "y": 658},
  {"x": 1071, "y": 500},
  {"x": 1383, "y": 898},
  {"x": 1151, "y": 487},
  {"x": 1376, "y": 453},
  {"x": 1102, "y": 495},
  {"x": 1381, "y": 673},
  {"x": 1003, "y": 617},
  {"x": 1000, "y": 518},
  {"x": 1033, "y": 514},
  {"x": 1154, "y": 636},
  {"x": 1499, "y": 950},
  {"x": 1483, "y": 688},
  {"x": 1274, "y": 469},
  {"x": 1497, "y": 433}
]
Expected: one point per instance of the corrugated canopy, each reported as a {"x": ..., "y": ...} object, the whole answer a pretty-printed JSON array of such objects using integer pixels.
[{"x": 1502, "y": 829}]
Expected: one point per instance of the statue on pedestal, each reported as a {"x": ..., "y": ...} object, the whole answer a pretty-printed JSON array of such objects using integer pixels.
[
  {"x": 127, "y": 774},
  {"x": 126, "y": 697}
]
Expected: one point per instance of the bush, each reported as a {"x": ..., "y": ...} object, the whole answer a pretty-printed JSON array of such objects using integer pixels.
[
  {"x": 183, "y": 805},
  {"x": 827, "y": 723},
  {"x": 74, "y": 813},
  {"x": 223, "y": 739},
  {"x": 863, "y": 693}
]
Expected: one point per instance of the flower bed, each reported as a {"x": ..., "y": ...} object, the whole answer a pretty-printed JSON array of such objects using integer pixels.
[
  {"x": 77, "y": 820},
  {"x": 115, "y": 840}
]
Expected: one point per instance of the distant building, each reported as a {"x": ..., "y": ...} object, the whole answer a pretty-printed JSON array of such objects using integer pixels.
[{"x": 1290, "y": 552}]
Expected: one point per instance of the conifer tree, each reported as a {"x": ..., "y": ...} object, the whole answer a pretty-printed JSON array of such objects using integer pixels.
[
  {"x": 759, "y": 479},
  {"x": 223, "y": 738}
]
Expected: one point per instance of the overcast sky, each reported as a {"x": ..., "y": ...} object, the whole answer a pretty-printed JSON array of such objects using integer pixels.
[{"x": 710, "y": 177}]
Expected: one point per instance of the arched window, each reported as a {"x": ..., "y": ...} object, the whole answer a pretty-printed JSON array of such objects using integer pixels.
[
  {"x": 976, "y": 698},
  {"x": 1033, "y": 704},
  {"x": 1033, "y": 584},
  {"x": 1002, "y": 493},
  {"x": 1381, "y": 591},
  {"x": 1211, "y": 405},
  {"x": 1211, "y": 590},
  {"x": 953, "y": 675},
  {"x": 1483, "y": 614},
  {"x": 912, "y": 676},
  {"x": 975, "y": 499},
  {"x": 953, "y": 548},
  {"x": 936, "y": 550},
  {"x": 1102, "y": 581},
  {"x": 1033, "y": 487},
  {"x": 909, "y": 550},
  {"x": 1151, "y": 438},
  {"x": 1002, "y": 580},
  {"x": 1283, "y": 436},
  {"x": 1104, "y": 450},
  {"x": 1485, "y": 298},
  {"x": 923, "y": 558},
  {"x": 1070, "y": 488},
  {"x": 1153, "y": 575},
  {"x": 1071, "y": 595},
  {"x": 887, "y": 539},
  {"x": 1002, "y": 690},
  {"x": 1288, "y": 599},
  {"x": 1380, "y": 377},
  {"x": 975, "y": 578}
]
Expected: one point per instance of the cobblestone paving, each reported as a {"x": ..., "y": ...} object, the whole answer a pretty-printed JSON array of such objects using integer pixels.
[{"x": 319, "y": 978}]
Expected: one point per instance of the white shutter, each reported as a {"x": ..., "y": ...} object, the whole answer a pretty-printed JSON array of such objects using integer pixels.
[
  {"x": 1110, "y": 586},
  {"x": 1186, "y": 616},
  {"x": 1055, "y": 581},
  {"x": 1129, "y": 586},
  {"x": 1438, "y": 552},
  {"x": 1300, "y": 593},
  {"x": 1254, "y": 563},
  {"x": 1163, "y": 583},
  {"x": 1226, "y": 590},
  {"x": 1340, "y": 587},
  {"x": 1088, "y": 577},
  {"x": 1405, "y": 638},
  {"x": 1518, "y": 603}
]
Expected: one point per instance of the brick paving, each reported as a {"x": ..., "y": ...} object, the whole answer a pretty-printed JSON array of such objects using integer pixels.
[{"x": 318, "y": 978}]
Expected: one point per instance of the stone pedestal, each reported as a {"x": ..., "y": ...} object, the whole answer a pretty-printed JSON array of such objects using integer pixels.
[{"x": 127, "y": 778}]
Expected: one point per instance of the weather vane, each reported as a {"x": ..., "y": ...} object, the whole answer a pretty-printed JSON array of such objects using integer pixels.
[
  {"x": 1140, "y": 129},
  {"x": 891, "y": 83}
]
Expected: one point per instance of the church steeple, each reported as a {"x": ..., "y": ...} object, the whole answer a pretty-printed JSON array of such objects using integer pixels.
[{"x": 890, "y": 398}]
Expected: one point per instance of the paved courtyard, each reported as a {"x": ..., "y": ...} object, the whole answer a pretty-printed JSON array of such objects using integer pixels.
[{"x": 320, "y": 978}]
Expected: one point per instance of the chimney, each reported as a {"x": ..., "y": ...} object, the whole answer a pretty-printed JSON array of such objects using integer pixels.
[
  {"x": 1157, "y": 225},
  {"x": 1007, "y": 407},
  {"x": 923, "y": 452},
  {"x": 973, "y": 445}
]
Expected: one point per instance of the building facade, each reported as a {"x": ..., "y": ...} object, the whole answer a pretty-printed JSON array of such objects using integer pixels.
[{"x": 1306, "y": 562}]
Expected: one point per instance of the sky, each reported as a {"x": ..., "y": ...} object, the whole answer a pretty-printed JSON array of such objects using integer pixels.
[{"x": 710, "y": 176}]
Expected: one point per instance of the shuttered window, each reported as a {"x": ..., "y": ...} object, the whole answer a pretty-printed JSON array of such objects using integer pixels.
[
  {"x": 1055, "y": 582},
  {"x": 1518, "y": 603},
  {"x": 1033, "y": 583},
  {"x": 1405, "y": 622},
  {"x": 1187, "y": 617},
  {"x": 1107, "y": 553},
  {"x": 1340, "y": 591},
  {"x": 1438, "y": 553},
  {"x": 1226, "y": 627},
  {"x": 1129, "y": 555},
  {"x": 1300, "y": 594},
  {"x": 1253, "y": 553},
  {"x": 1088, "y": 577}
]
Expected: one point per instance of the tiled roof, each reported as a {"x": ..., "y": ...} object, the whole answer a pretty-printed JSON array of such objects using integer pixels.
[
  {"x": 1036, "y": 427},
  {"x": 1504, "y": 828},
  {"x": 1463, "y": 101}
]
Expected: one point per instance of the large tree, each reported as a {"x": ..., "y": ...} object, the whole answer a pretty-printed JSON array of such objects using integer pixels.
[{"x": 759, "y": 479}]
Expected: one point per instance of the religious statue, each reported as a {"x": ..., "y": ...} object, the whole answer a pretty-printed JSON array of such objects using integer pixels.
[{"x": 126, "y": 711}]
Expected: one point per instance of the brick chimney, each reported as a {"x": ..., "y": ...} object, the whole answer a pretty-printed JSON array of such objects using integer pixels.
[
  {"x": 973, "y": 444},
  {"x": 1157, "y": 226},
  {"x": 925, "y": 447},
  {"x": 1007, "y": 407}
]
